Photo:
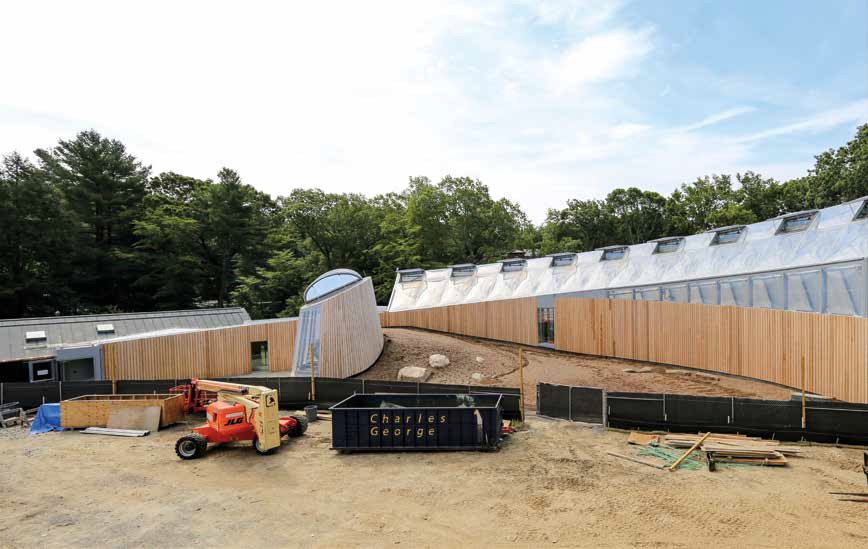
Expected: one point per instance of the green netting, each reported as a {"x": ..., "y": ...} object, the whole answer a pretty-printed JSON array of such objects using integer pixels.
[{"x": 670, "y": 456}]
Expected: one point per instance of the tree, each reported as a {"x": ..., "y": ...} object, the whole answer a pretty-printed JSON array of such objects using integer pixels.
[
  {"x": 35, "y": 243},
  {"x": 640, "y": 216},
  {"x": 838, "y": 175},
  {"x": 104, "y": 186},
  {"x": 582, "y": 226}
]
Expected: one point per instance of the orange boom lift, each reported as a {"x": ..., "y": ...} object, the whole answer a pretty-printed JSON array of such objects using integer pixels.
[{"x": 241, "y": 412}]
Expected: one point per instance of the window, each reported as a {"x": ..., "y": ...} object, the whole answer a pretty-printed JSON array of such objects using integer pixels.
[
  {"x": 259, "y": 356},
  {"x": 329, "y": 282},
  {"x": 613, "y": 252},
  {"x": 512, "y": 265},
  {"x": 463, "y": 270},
  {"x": 105, "y": 328},
  {"x": 562, "y": 260},
  {"x": 862, "y": 213},
  {"x": 42, "y": 371},
  {"x": 727, "y": 235},
  {"x": 796, "y": 223},
  {"x": 35, "y": 337},
  {"x": 411, "y": 275},
  {"x": 668, "y": 245},
  {"x": 545, "y": 321}
]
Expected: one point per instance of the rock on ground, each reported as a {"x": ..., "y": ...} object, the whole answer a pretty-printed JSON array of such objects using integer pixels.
[
  {"x": 413, "y": 373},
  {"x": 438, "y": 361},
  {"x": 477, "y": 376},
  {"x": 480, "y": 360},
  {"x": 644, "y": 370}
]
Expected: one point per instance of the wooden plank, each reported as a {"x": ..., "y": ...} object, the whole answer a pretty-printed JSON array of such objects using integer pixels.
[{"x": 115, "y": 432}]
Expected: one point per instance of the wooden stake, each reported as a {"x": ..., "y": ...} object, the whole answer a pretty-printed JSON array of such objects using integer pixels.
[
  {"x": 696, "y": 445},
  {"x": 521, "y": 380},
  {"x": 804, "y": 423},
  {"x": 312, "y": 382},
  {"x": 634, "y": 460}
]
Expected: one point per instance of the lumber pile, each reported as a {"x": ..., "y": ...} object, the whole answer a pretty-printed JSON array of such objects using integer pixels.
[{"x": 721, "y": 448}]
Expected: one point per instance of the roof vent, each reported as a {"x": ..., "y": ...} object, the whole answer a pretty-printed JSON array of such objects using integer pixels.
[
  {"x": 512, "y": 265},
  {"x": 727, "y": 235},
  {"x": 105, "y": 328},
  {"x": 667, "y": 245},
  {"x": 410, "y": 275},
  {"x": 463, "y": 270},
  {"x": 35, "y": 337},
  {"x": 611, "y": 253},
  {"x": 797, "y": 222},
  {"x": 562, "y": 259}
]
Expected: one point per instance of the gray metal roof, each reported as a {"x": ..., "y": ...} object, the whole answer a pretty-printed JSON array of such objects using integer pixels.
[{"x": 66, "y": 330}]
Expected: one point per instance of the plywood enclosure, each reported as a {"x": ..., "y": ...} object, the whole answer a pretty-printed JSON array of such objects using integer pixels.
[
  {"x": 219, "y": 352},
  {"x": 351, "y": 338},
  {"x": 505, "y": 320},
  {"x": 94, "y": 410}
]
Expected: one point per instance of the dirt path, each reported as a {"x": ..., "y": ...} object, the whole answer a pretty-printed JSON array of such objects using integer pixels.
[
  {"x": 551, "y": 484},
  {"x": 407, "y": 347}
]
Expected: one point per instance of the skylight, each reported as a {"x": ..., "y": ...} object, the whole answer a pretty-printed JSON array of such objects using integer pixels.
[
  {"x": 796, "y": 222},
  {"x": 411, "y": 275},
  {"x": 35, "y": 337},
  {"x": 105, "y": 328},
  {"x": 463, "y": 270},
  {"x": 727, "y": 235},
  {"x": 668, "y": 245},
  {"x": 863, "y": 211},
  {"x": 512, "y": 265},
  {"x": 613, "y": 252},
  {"x": 562, "y": 260}
]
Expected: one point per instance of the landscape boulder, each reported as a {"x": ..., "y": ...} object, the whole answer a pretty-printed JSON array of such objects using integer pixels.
[
  {"x": 644, "y": 370},
  {"x": 414, "y": 373},
  {"x": 477, "y": 376},
  {"x": 480, "y": 360},
  {"x": 438, "y": 361}
]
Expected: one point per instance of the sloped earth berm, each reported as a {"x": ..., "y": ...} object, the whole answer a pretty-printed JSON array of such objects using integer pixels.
[{"x": 410, "y": 347}]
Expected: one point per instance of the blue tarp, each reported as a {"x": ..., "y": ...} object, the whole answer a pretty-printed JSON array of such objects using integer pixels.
[{"x": 47, "y": 419}]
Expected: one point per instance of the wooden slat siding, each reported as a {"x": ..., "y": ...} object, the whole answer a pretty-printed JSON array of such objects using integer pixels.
[
  {"x": 759, "y": 343},
  {"x": 220, "y": 352},
  {"x": 351, "y": 338},
  {"x": 512, "y": 320}
]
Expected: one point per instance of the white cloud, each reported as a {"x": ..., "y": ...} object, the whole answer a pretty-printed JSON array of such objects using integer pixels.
[
  {"x": 855, "y": 112},
  {"x": 717, "y": 118},
  {"x": 601, "y": 57}
]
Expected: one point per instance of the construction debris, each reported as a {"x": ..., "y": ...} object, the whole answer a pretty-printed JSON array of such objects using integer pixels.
[
  {"x": 634, "y": 460},
  {"x": 718, "y": 448},
  {"x": 643, "y": 439},
  {"x": 115, "y": 432}
]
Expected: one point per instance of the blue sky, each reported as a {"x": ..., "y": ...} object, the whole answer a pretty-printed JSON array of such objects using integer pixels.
[{"x": 543, "y": 101}]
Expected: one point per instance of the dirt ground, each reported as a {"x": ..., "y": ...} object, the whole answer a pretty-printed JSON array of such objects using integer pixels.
[
  {"x": 408, "y": 347},
  {"x": 551, "y": 484}
]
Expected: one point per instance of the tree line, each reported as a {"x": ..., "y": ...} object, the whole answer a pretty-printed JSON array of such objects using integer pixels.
[{"x": 85, "y": 227}]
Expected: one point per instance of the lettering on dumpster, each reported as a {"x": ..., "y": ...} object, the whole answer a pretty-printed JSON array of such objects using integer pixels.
[{"x": 398, "y": 426}]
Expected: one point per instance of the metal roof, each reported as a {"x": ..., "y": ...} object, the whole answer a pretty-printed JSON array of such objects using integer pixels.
[{"x": 61, "y": 331}]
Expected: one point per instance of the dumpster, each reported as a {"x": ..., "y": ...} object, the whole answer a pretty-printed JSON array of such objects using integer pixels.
[{"x": 394, "y": 422}]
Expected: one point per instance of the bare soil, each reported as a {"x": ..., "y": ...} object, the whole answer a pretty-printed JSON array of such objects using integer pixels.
[
  {"x": 409, "y": 347},
  {"x": 550, "y": 484}
]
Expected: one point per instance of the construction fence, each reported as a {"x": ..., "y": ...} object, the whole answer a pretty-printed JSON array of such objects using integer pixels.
[
  {"x": 825, "y": 420},
  {"x": 293, "y": 392}
]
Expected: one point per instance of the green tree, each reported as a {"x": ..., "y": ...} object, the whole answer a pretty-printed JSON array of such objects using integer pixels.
[
  {"x": 35, "y": 242},
  {"x": 639, "y": 216},
  {"x": 104, "y": 186}
]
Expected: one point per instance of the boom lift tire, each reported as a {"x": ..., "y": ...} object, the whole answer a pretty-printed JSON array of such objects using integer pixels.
[
  {"x": 300, "y": 426},
  {"x": 191, "y": 446},
  {"x": 259, "y": 450}
]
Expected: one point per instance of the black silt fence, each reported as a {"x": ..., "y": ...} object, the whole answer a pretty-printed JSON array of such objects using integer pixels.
[
  {"x": 574, "y": 403},
  {"x": 293, "y": 392}
]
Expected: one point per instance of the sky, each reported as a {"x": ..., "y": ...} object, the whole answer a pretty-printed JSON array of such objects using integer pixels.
[{"x": 542, "y": 101}]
